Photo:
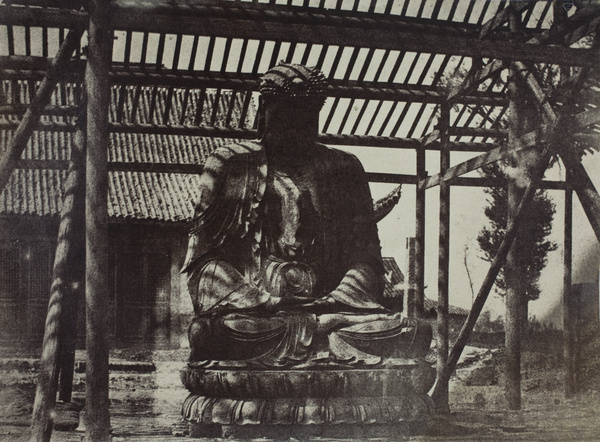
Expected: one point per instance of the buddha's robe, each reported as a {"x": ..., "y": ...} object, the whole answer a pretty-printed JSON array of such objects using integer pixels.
[{"x": 272, "y": 235}]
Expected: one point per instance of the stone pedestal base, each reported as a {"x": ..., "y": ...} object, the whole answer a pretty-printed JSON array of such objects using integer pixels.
[{"x": 326, "y": 401}]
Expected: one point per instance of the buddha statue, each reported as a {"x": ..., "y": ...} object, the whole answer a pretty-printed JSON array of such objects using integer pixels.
[{"x": 284, "y": 261}]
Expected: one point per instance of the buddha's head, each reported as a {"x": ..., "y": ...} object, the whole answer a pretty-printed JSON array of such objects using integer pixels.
[{"x": 291, "y": 97}]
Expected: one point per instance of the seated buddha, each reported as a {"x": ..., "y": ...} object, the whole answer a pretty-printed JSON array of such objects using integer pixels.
[{"x": 284, "y": 260}]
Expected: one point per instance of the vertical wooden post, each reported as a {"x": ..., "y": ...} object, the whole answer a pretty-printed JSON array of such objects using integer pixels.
[
  {"x": 512, "y": 300},
  {"x": 76, "y": 272},
  {"x": 98, "y": 96},
  {"x": 177, "y": 259},
  {"x": 408, "y": 303},
  {"x": 419, "y": 299},
  {"x": 513, "y": 310},
  {"x": 443, "y": 261},
  {"x": 568, "y": 319},
  {"x": 521, "y": 120}
]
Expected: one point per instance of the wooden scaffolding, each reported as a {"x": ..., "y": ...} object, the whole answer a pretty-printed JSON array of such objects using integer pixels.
[{"x": 528, "y": 76}]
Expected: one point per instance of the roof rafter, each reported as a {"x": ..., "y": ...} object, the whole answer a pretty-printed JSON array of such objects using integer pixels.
[{"x": 307, "y": 27}]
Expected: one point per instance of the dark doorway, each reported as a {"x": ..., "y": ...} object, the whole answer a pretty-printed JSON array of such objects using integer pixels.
[{"x": 142, "y": 298}]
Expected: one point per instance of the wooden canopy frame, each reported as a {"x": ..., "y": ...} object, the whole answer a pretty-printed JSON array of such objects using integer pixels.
[{"x": 388, "y": 60}]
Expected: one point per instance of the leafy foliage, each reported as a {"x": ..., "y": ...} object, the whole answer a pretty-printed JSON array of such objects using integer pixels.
[
  {"x": 533, "y": 253},
  {"x": 486, "y": 324}
]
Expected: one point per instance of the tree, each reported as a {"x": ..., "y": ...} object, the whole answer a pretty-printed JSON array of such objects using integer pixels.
[{"x": 537, "y": 225}]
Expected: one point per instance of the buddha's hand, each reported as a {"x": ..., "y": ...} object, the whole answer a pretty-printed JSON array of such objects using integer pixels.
[
  {"x": 332, "y": 321},
  {"x": 278, "y": 303},
  {"x": 273, "y": 303},
  {"x": 323, "y": 305}
]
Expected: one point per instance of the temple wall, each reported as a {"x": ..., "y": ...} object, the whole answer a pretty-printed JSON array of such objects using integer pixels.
[{"x": 148, "y": 302}]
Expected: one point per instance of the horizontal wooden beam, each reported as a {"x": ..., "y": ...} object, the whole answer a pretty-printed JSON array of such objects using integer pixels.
[
  {"x": 116, "y": 166},
  {"x": 197, "y": 131},
  {"x": 315, "y": 28},
  {"x": 121, "y": 166},
  {"x": 477, "y": 132},
  {"x": 265, "y": 12},
  {"x": 333, "y": 139},
  {"x": 457, "y": 182},
  {"x": 368, "y": 141},
  {"x": 194, "y": 169},
  {"x": 19, "y": 109},
  {"x": 23, "y": 67},
  {"x": 222, "y": 132}
]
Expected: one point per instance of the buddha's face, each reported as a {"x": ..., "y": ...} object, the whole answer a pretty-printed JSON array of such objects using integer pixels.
[{"x": 291, "y": 120}]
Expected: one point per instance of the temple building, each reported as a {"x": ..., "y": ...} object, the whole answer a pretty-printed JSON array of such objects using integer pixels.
[
  {"x": 148, "y": 212},
  {"x": 149, "y": 221}
]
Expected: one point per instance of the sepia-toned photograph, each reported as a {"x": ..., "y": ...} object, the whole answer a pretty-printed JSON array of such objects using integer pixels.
[{"x": 299, "y": 220}]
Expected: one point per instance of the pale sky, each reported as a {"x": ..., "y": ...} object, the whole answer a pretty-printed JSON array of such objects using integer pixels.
[{"x": 467, "y": 219}]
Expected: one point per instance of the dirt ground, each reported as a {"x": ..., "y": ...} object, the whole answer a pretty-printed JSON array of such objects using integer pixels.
[{"x": 146, "y": 395}]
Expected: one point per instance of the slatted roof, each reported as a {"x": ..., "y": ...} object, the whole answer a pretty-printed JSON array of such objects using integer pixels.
[{"x": 392, "y": 65}]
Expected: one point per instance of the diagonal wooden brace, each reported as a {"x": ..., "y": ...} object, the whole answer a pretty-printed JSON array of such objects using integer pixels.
[
  {"x": 10, "y": 157},
  {"x": 526, "y": 141},
  {"x": 489, "y": 280},
  {"x": 502, "y": 17},
  {"x": 588, "y": 196},
  {"x": 484, "y": 159},
  {"x": 67, "y": 260}
]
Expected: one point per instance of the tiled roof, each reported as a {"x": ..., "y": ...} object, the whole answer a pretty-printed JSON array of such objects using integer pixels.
[
  {"x": 33, "y": 192},
  {"x": 393, "y": 277},
  {"x": 430, "y": 305},
  {"x": 133, "y": 195},
  {"x": 149, "y": 195},
  {"x": 142, "y": 195},
  {"x": 161, "y": 149}
]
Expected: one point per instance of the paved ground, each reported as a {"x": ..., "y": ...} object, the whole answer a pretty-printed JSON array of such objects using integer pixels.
[{"x": 145, "y": 406}]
